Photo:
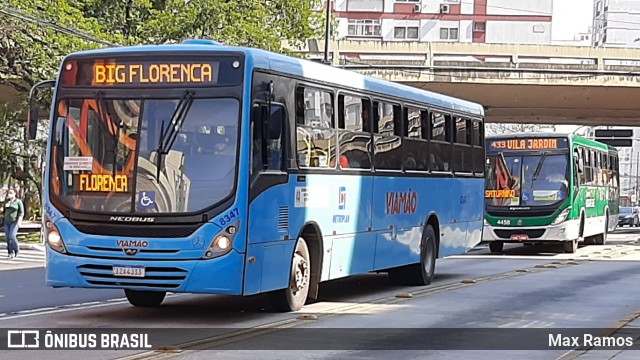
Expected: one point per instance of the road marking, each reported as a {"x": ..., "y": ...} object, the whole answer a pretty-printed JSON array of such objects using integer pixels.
[
  {"x": 210, "y": 343},
  {"x": 69, "y": 307}
]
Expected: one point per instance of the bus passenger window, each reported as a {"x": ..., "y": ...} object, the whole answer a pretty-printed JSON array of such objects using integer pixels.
[
  {"x": 353, "y": 136},
  {"x": 315, "y": 128}
]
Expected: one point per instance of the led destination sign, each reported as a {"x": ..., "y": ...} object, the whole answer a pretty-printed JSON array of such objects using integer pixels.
[
  {"x": 103, "y": 183},
  {"x": 529, "y": 144},
  {"x": 142, "y": 73}
]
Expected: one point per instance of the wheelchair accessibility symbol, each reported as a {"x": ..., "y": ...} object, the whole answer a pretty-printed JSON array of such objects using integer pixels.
[{"x": 147, "y": 200}]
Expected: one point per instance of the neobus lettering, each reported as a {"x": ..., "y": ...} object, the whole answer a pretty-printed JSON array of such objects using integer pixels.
[{"x": 154, "y": 73}]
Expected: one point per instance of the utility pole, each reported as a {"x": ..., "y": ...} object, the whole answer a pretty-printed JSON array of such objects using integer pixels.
[
  {"x": 327, "y": 33},
  {"x": 637, "y": 166}
]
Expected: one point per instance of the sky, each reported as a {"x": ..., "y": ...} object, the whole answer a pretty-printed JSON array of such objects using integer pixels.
[{"x": 571, "y": 17}]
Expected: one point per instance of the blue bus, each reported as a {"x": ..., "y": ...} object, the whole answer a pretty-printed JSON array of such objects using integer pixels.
[{"x": 204, "y": 168}]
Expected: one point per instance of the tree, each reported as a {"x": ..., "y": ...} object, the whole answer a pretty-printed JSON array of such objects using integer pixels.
[
  {"x": 20, "y": 163},
  {"x": 34, "y": 41},
  {"x": 262, "y": 24}
]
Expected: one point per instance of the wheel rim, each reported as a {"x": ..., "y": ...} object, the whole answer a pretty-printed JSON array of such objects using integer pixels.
[
  {"x": 428, "y": 261},
  {"x": 300, "y": 274}
]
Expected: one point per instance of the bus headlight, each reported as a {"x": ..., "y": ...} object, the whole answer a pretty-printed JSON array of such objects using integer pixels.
[
  {"x": 222, "y": 242},
  {"x": 53, "y": 237},
  {"x": 562, "y": 216},
  {"x": 485, "y": 222}
]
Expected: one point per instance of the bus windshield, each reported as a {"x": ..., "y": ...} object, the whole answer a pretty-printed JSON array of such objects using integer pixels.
[
  {"x": 144, "y": 155},
  {"x": 526, "y": 180}
]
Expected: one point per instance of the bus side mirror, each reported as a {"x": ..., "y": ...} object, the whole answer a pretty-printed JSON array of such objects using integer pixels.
[
  {"x": 32, "y": 122},
  {"x": 31, "y": 128}
]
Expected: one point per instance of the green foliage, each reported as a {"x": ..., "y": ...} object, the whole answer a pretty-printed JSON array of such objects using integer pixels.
[{"x": 262, "y": 24}]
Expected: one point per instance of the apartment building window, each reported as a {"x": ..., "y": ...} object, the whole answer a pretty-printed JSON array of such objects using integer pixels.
[
  {"x": 448, "y": 33},
  {"x": 538, "y": 28},
  {"x": 365, "y": 5},
  {"x": 410, "y": 1},
  {"x": 405, "y": 32},
  {"x": 364, "y": 28},
  {"x": 479, "y": 26}
]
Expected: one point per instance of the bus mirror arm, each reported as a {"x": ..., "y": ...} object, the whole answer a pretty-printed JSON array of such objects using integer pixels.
[{"x": 31, "y": 128}]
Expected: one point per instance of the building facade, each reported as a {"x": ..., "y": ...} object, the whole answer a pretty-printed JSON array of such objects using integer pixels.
[
  {"x": 483, "y": 21},
  {"x": 616, "y": 23}
]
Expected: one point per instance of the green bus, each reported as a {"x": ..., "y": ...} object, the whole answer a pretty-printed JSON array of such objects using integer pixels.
[{"x": 546, "y": 187}]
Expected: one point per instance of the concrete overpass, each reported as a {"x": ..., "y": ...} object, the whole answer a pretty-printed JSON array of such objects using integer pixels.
[{"x": 517, "y": 83}]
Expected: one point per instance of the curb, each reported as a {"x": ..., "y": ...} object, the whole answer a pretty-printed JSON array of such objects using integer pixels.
[{"x": 24, "y": 246}]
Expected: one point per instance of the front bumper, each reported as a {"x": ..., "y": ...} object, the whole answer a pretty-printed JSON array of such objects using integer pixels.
[
  {"x": 565, "y": 231},
  {"x": 221, "y": 275}
]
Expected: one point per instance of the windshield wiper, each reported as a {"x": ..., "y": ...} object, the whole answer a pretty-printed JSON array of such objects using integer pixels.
[
  {"x": 103, "y": 118},
  {"x": 169, "y": 134},
  {"x": 539, "y": 167}
]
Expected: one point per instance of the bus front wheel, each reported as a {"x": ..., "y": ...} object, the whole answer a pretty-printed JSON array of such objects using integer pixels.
[
  {"x": 570, "y": 246},
  {"x": 144, "y": 298},
  {"x": 496, "y": 246},
  {"x": 294, "y": 297}
]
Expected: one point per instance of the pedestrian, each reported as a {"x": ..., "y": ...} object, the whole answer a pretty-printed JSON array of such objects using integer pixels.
[{"x": 13, "y": 215}]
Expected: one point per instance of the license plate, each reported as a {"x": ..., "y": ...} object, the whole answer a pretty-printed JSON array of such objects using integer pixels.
[
  {"x": 519, "y": 237},
  {"x": 128, "y": 270}
]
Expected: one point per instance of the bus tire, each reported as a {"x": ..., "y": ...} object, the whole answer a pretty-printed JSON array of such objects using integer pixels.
[
  {"x": 422, "y": 273},
  {"x": 496, "y": 246},
  {"x": 570, "y": 246},
  {"x": 144, "y": 298},
  {"x": 602, "y": 238},
  {"x": 293, "y": 297}
]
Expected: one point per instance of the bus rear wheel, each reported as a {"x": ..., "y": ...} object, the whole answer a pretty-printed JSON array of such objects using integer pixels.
[
  {"x": 144, "y": 298},
  {"x": 419, "y": 274},
  {"x": 602, "y": 238},
  {"x": 295, "y": 295}
]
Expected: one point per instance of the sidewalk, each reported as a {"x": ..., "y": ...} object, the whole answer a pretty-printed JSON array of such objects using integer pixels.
[{"x": 630, "y": 329}]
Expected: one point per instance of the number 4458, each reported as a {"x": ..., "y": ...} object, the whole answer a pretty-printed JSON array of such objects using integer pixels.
[{"x": 504, "y": 222}]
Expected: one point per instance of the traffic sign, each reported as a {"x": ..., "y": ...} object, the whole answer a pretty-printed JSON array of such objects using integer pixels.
[
  {"x": 615, "y": 137},
  {"x": 617, "y": 142}
]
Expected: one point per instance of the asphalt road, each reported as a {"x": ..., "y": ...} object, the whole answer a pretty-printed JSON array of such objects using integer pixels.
[{"x": 526, "y": 287}]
